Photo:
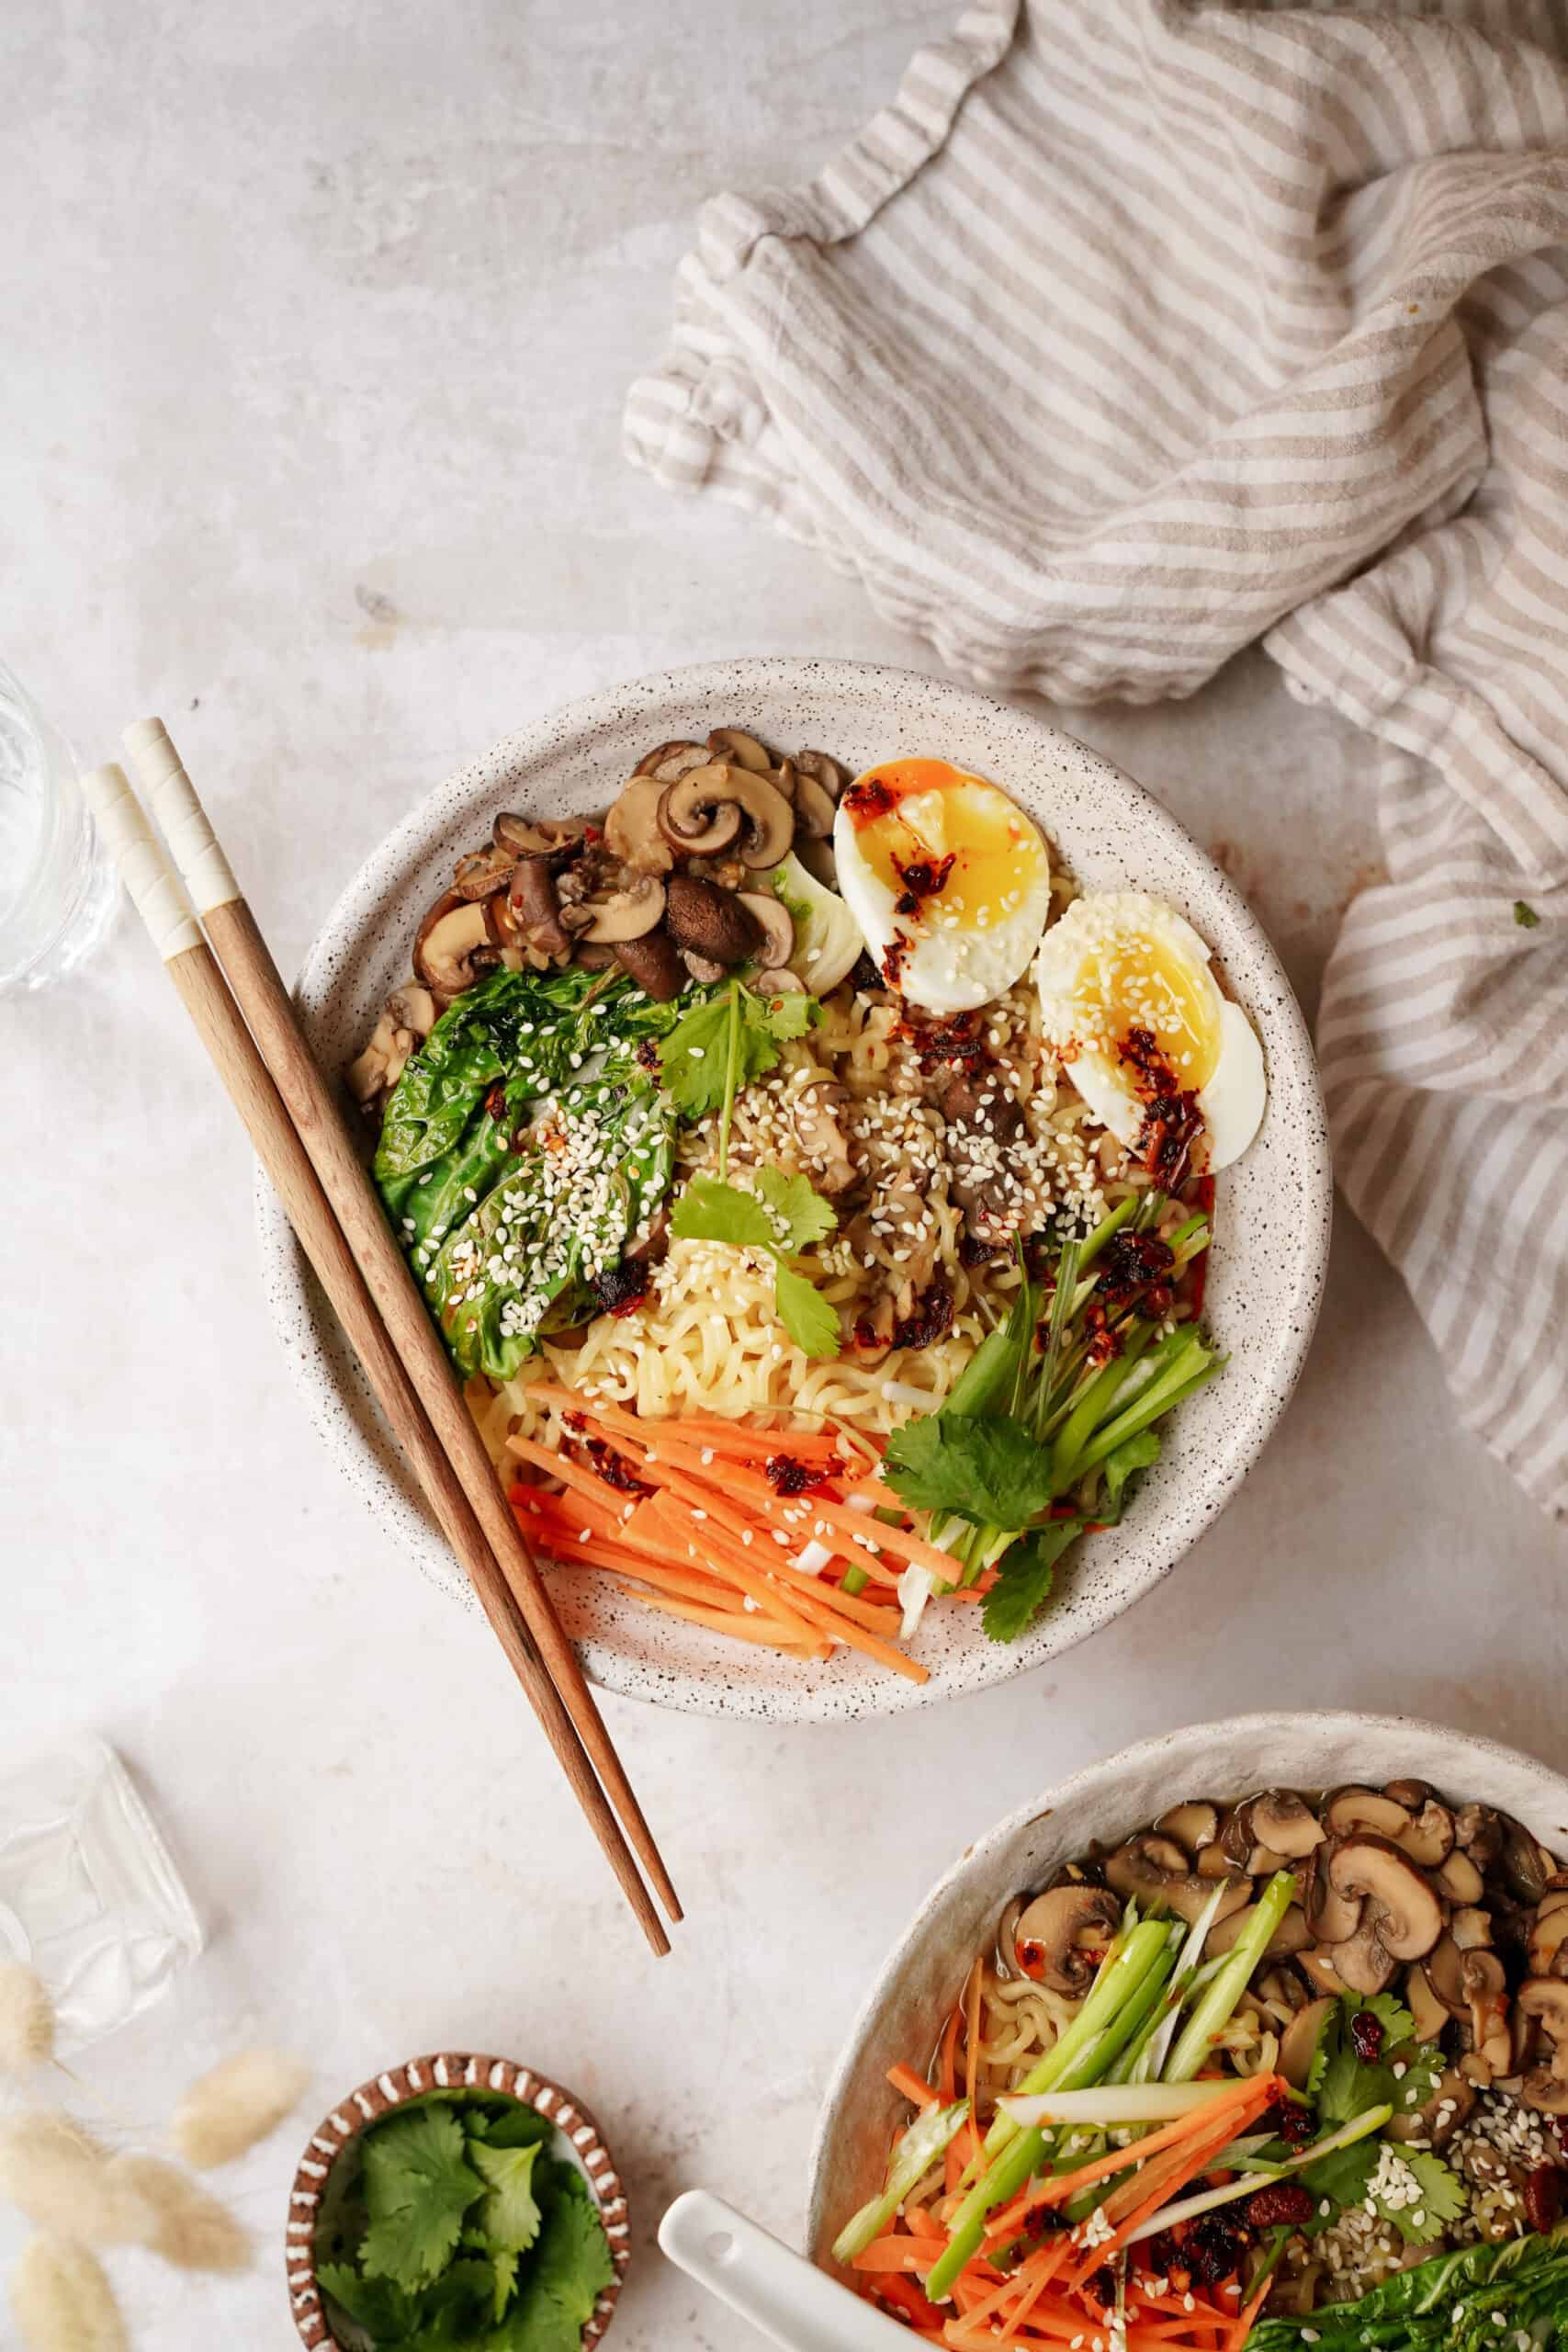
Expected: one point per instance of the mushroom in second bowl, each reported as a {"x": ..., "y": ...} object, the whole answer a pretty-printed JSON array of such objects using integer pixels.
[{"x": 1254, "y": 2065}]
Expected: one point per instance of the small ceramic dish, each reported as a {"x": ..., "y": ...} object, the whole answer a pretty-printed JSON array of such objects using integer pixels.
[
  {"x": 577, "y": 2139},
  {"x": 922, "y": 1976},
  {"x": 1273, "y": 1211}
]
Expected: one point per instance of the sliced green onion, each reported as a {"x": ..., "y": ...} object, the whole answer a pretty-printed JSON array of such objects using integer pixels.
[
  {"x": 1214, "y": 2011},
  {"x": 925, "y": 2140},
  {"x": 1121, "y": 2103},
  {"x": 1348, "y": 2134}
]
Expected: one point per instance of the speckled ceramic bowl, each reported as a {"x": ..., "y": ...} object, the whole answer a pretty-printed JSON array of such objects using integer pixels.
[
  {"x": 903, "y": 2014},
  {"x": 1273, "y": 1208},
  {"x": 577, "y": 2136}
]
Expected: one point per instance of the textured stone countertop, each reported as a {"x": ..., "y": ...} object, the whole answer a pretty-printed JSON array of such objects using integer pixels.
[{"x": 316, "y": 324}]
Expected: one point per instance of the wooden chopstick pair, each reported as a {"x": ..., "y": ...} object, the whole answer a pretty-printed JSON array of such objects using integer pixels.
[{"x": 236, "y": 997}]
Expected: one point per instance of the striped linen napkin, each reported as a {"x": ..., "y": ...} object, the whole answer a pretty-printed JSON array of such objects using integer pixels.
[{"x": 1136, "y": 330}]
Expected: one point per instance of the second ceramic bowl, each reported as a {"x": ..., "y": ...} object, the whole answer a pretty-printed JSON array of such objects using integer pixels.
[{"x": 920, "y": 1981}]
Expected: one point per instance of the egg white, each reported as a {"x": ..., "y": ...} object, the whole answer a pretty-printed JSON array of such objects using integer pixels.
[
  {"x": 944, "y": 967},
  {"x": 1233, "y": 1101}
]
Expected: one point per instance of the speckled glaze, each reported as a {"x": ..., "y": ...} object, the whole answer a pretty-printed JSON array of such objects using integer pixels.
[
  {"x": 921, "y": 1979},
  {"x": 577, "y": 2136},
  {"x": 1273, "y": 1211}
]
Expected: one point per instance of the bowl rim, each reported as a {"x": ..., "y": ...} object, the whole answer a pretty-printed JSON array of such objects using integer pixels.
[
  {"x": 415, "y": 2078},
  {"x": 1175, "y": 1746},
  {"x": 692, "y": 1685}
]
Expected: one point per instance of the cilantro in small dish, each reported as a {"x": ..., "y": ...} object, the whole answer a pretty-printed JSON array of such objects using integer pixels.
[{"x": 449, "y": 2225}]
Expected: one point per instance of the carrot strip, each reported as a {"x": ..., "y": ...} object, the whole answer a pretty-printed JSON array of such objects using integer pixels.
[
  {"x": 855, "y": 1638},
  {"x": 912, "y": 2086},
  {"x": 890, "y": 2254},
  {"x": 739, "y": 1628},
  {"x": 739, "y": 1571},
  {"x": 570, "y": 1473},
  {"x": 972, "y": 2035}
]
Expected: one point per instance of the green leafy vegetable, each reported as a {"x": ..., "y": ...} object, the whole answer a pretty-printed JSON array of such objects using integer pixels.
[
  {"x": 787, "y": 1217},
  {"x": 418, "y": 2186},
  {"x": 509, "y": 1214},
  {"x": 1025, "y": 1577},
  {"x": 1443, "y": 2198},
  {"x": 1134, "y": 1453},
  {"x": 1526, "y": 916},
  {"x": 723, "y": 1044},
  {"x": 1481, "y": 2299},
  {"x": 985, "y": 1471},
  {"x": 510, "y": 2214},
  {"x": 464, "y": 2234}
]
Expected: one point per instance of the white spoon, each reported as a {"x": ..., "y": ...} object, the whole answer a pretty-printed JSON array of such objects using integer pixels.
[{"x": 792, "y": 2303}]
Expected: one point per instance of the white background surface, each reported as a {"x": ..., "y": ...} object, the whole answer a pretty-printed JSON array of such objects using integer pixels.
[{"x": 315, "y": 332}]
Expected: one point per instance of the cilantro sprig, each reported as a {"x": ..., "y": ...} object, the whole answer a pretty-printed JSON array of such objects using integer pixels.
[
  {"x": 462, "y": 2229},
  {"x": 782, "y": 1216},
  {"x": 724, "y": 1042}
]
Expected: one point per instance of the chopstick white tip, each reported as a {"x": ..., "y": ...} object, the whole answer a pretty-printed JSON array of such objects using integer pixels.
[
  {"x": 153, "y": 887},
  {"x": 208, "y": 873}
]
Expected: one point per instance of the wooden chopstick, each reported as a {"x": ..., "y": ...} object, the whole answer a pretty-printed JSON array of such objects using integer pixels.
[{"x": 194, "y": 970}]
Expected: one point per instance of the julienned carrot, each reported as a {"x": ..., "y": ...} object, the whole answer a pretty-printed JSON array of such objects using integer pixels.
[
  {"x": 570, "y": 1473},
  {"x": 709, "y": 1429},
  {"x": 855, "y": 1637},
  {"x": 950, "y": 2057},
  {"x": 738, "y": 1626},
  {"x": 912, "y": 2086},
  {"x": 1056, "y": 2189},
  {"x": 732, "y": 1563},
  {"x": 890, "y": 2254}
]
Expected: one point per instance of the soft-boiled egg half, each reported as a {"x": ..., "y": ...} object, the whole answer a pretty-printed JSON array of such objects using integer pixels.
[
  {"x": 948, "y": 880},
  {"x": 1123, "y": 964}
]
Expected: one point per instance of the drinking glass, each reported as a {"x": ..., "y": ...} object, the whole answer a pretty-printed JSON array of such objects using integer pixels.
[
  {"x": 58, "y": 885},
  {"x": 89, "y": 1895}
]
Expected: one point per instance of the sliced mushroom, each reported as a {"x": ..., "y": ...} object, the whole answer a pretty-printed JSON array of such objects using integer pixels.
[
  {"x": 1525, "y": 1865},
  {"x": 815, "y": 1113},
  {"x": 653, "y": 964},
  {"x": 710, "y": 808},
  {"x": 629, "y": 913},
  {"x": 1332, "y": 1916},
  {"x": 1431, "y": 2014},
  {"x": 1316, "y": 1964},
  {"x": 1479, "y": 1832},
  {"x": 448, "y": 942},
  {"x": 711, "y": 923},
  {"x": 1430, "y": 1840},
  {"x": 1291, "y": 1935},
  {"x": 777, "y": 924},
  {"x": 482, "y": 871},
  {"x": 817, "y": 859},
  {"x": 1410, "y": 1795},
  {"x": 1280, "y": 1820},
  {"x": 783, "y": 982},
  {"x": 1194, "y": 1824},
  {"x": 813, "y": 809},
  {"x": 1471, "y": 1928},
  {"x": 553, "y": 837},
  {"x": 1403, "y": 1911},
  {"x": 1298, "y": 2044},
  {"x": 823, "y": 769},
  {"x": 733, "y": 744},
  {"x": 1486, "y": 1990},
  {"x": 1154, "y": 1869},
  {"x": 702, "y": 967},
  {"x": 631, "y": 829},
  {"x": 1363, "y": 1962},
  {"x": 673, "y": 758},
  {"x": 1460, "y": 1878},
  {"x": 1545, "y": 2088},
  {"x": 1352, "y": 1808},
  {"x": 535, "y": 904},
  {"x": 1435, "y": 2123},
  {"x": 1070, "y": 1926},
  {"x": 1549, "y": 1935},
  {"x": 1443, "y": 1966}
]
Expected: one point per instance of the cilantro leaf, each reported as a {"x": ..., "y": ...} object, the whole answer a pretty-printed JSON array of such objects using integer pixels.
[
  {"x": 510, "y": 2214},
  {"x": 505, "y": 2266},
  {"x": 1134, "y": 1453},
  {"x": 379, "y": 2305},
  {"x": 1345, "y": 2085},
  {"x": 417, "y": 2189},
  {"x": 989, "y": 1471},
  {"x": 520, "y": 2127},
  {"x": 811, "y": 1320},
  {"x": 1443, "y": 2198},
  {"x": 709, "y": 1211},
  {"x": 800, "y": 1214},
  {"x": 572, "y": 2259},
  {"x": 1398, "y": 2023},
  {"x": 1024, "y": 1580},
  {"x": 726, "y": 1041},
  {"x": 1343, "y": 2177}
]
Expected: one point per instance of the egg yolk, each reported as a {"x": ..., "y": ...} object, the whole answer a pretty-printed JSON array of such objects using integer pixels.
[
  {"x": 952, "y": 849},
  {"x": 1143, "y": 982}
]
